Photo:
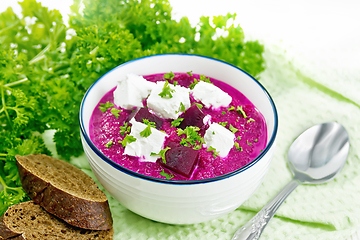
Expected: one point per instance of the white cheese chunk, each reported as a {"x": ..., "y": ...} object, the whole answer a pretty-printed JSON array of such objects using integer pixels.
[
  {"x": 210, "y": 95},
  {"x": 220, "y": 138},
  {"x": 131, "y": 91},
  {"x": 166, "y": 107},
  {"x": 144, "y": 146}
]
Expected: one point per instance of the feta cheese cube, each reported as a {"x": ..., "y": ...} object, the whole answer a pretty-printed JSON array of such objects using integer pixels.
[
  {"x": 168, "y": 107},
  {"x": 210, "y": 95},
  {"x": 144, "y": 146},
  {"x": 131, "y": 91},
  {"x": 220, "y": 138}
]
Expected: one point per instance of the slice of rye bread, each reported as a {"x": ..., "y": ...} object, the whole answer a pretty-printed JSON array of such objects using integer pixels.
[
  {"x": 28, "y": 220},
  {"x": 65, "y": 191}
]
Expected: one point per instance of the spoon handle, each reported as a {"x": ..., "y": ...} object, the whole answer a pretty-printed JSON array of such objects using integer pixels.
[{"x": 253, "y": 229}]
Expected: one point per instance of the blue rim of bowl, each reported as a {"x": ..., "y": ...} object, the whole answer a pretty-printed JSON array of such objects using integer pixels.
[{"x": 179, "y": 182}]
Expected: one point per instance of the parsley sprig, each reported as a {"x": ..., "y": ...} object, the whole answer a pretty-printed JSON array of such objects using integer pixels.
[
  {"x": 213, "y": 150},
  {"x": 166, "y": 175},
  {"x": 169, "y": 76},
  {"x": 105, "y": 106},
  {"x": 237, "y": 146},
  {"x": 116, "y": 112},
  {"x": 109, "y": 144},
  {"x": 196, "y": 81},
  {"x": 162, "y": 154},
  {"x": 176, "y": 122},
  {"x": 181, "y": 108},
  {"x": 192, "y": 139},
  {"x": 233, "y": 129},
  {"x": 127, "y": 139},
  {"x": 125, "y": 129},
  {"x": 240, "y": 109},
  {"x": 166, "y": 91},
  {"x": 147, "y": 131}
]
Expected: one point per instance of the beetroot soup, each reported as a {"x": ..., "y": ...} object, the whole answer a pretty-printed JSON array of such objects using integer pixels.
[{"x": 180, "y": 126}]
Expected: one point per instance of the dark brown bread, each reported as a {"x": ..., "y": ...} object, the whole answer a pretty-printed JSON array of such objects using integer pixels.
[
  {"x": 64, "y": 191},
  {"x": 28, "y": 220}
]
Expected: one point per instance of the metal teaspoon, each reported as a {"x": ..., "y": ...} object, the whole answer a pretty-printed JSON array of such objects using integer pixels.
[{"x": 315, "y": 157}]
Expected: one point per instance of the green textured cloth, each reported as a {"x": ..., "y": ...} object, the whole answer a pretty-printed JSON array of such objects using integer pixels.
[{"x": 327, "y": 211}]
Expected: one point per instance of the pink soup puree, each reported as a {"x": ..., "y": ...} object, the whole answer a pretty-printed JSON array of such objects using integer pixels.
[{"x": 241, "y": 117}]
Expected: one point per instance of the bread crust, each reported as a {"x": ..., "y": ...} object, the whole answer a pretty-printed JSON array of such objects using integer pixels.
[
  {"x": 6, "y": 233},
  {"x": 25, "y": 217},
  {"x": 76, "y": 211}
]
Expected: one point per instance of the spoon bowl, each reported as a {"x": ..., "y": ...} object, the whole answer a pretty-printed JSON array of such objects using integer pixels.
[
  {"x": 316, "y": 156},
  {"x": 319, "y": 153}
]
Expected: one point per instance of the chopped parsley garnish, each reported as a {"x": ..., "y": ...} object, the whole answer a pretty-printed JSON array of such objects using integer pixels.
[
  {"x": 147, "y": 131},
  {"x": 196, "y": 81},
  {"x": 237, "y": 146},
  {"x": 199, "y": 105},
  {"x": 223, "y": 123},
  {"x": 205, "y": 79},
  {"x": 127, "y": 139},
  {"x": 108, "y": 145},
  {"x": 192, "y": 85},
  {"x": 233, "y": 129},
  {"x": 115, "y": 112},
  {"x": 231, "y": 108},
  {"x": 189, "y": 73},
  {"x": 256, "y": 140},
  {"x": 147, "y": 122},
  {"x": 125, "y": 129},
  {"x": 175, "y": 83},
  {"x": 166, "y": 175},
  {"x": 181, "y": 108},
  {"x": 223, "y": 112},
  {"x": 162, "y": 154},
  {"x": 213, "y": 150},
  {"x": 169, "y": 76},
  {"x": 240, "y": 110},
  {"x": 239, "y": 138},
  {"x": 105, "y": 106},
  {"x": 193, "y": 138},
  {"x": 250, "y": 120},
  {"x": 176, "y": 122},
  {"x": 166, "y": 91},
  {"x": 248, "y": 143},
  {"x": 197, "y": 147}
]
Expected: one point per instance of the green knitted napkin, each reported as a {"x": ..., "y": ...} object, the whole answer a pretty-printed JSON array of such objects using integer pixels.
[{"x": 327, "y": 211}]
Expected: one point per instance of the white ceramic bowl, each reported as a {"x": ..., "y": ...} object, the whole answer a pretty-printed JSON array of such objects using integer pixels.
[{"x": 180, "y": 202}]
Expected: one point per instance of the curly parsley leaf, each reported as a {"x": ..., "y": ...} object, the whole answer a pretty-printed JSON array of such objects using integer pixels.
[
  {"x": 162, "y": 154},
  {"x": 213, "y": 150},
  {"x": 105, "y": 106},
  {"x": 192, "y": 137},
  {"x": 127, "y": 139},
  {"x": 166, "y": 175},
  {"x": 115, "y": 112},
  {"x": 233, "y": 129},
  {"x": 166, "y": 91},
  {"x": 240, "y": 110},
  {"x": 147, "y": 131},
  {"x": 176, "y": 122},
  {"x": 109, "y": 144},
  {"x": 125, "y": 129},
  {"x": 169, "y": 76}
]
